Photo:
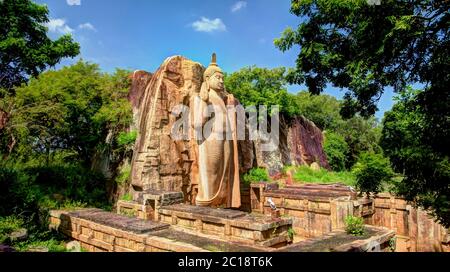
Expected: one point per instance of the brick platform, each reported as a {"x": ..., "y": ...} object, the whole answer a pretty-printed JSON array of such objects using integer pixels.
[
  {"x": 316, "y": 209},
  {"x": 100, "y": 231},
  {"x": 229, "y": 225}
]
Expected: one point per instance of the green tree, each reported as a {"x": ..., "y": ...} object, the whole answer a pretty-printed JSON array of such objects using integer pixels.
[
  {"x": 371, "y": 171},
  {"x": 25, "y": 49},
  {"x": 406, "y": 140},
  {"x": 70, "y": 111},
  {"x": 254, "y": 86},
  {"x": 361, "y": 135},
  {"x": 322, "y": 109},
  {"x": 336, "y": 150},
  {"x": 261, "y": 86},
  {"x": 365, "y": 48}
]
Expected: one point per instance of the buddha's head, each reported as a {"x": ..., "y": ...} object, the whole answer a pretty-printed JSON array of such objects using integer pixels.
[{"x": 214, "y": 76}]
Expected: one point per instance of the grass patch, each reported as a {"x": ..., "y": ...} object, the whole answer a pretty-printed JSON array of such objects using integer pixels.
[
  {"x": 53, "y": 245},
  {"x": 37, "y": 236},
  {"x": 256, "y": 175},
  {"x": 127, "y": 197},
  {"x": 307, "y": 175}
]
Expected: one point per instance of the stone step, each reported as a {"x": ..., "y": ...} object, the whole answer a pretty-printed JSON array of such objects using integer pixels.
[
  {"x": 205, "y": 211},
  {"x": 119, "y": 221}
]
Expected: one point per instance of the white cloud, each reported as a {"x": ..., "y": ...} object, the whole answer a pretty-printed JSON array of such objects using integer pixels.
[
  {"x": 238, "y": 6},
  {"x": 208, "y": 25},
  {"x": 87, "y": 26},
  {"x": 73, "y": 2},
  {"x": 58, "y": 26}
]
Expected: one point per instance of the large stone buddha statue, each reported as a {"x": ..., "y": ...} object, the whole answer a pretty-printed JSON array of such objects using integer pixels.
[{"x": 215, "y": 128}]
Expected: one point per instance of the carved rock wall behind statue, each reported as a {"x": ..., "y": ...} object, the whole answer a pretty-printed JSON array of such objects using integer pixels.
[{"x": 159, "y": 162}]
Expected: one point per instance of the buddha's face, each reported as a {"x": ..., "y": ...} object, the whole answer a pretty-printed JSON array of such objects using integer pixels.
[{"x": 216, "y": 82}]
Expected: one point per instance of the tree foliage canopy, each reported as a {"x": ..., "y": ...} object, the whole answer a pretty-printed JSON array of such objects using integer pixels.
[
  {"x": 406, "y": 140},
  {"x": 25, "y": 48},
  {"x": 363, "y": 47},
  {"x": 336, "y": 149},
  {"x": 322, "y": 109},
  {"x": 254, "y": 86},
  {"x": 371, "y": 171},
  {"x": 70, "y": 110}
]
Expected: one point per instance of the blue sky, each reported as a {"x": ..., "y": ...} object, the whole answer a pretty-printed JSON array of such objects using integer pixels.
[{"x": 140, "y": 34}]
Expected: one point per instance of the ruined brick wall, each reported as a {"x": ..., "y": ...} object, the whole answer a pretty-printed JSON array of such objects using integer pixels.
[
  {"x": 416, "y": 230},
  {"x": 315, "y": 209},
  {"x": 318, "y": 216},
  {"x": 316, "y": 213}
]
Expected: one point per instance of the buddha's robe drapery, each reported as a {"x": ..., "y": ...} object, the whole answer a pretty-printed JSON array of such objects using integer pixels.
[{"x": 218, "y": 171}]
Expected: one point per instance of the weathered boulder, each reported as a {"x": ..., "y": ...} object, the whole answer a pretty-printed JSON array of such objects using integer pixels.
[
  {"x": 300, "y": 143},
  {"x": 139, "y": 82},
  {"x": 73, "y": 246},
  {"x": 18, "y": 235},
  {"x": 38, "y": 249},
  {"x": 305, "y": 141},
  {"x": 103, "y": 160},
  {"x": 315, "y": 166}
]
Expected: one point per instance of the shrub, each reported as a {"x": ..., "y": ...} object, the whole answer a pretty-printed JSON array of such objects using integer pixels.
[
  {"x": 74, "y": 182},
  {"x": 127, "y": 197},
  {"x": 256, "y": 175},
  {"x": 291, "y": 233},
  {"x": 354, "y": 225},
  {"x": 336, "y": 150},
  {"x": 126, "y": 138},
  {"x": 9, "y": 224},
  {"x": 123, "y": 175},
  {"x": 18, "y": 193},
  {"x": 33, "y": 191},
  {"x": 371, "y": 171}
]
